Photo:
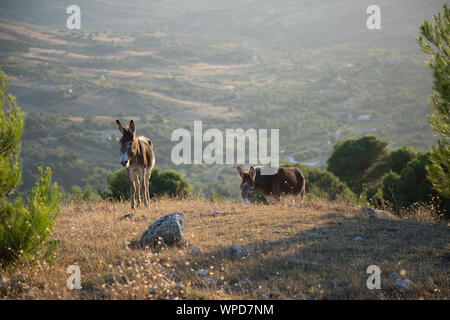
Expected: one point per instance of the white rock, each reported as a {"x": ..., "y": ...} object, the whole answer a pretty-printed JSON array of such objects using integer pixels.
[
  {"x": 170, "y": 229},
  {"x": 313, "y": 234},
  {"x": 202, "y": 272},
  {"x": 357, "y": 238},
  {"x": 210, "y": 282},
  {"x": 402, "y": 285},
  {"x": 196, "y": 250}
]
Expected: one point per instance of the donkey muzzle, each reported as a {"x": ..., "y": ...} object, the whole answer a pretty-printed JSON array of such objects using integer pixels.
[{"x": 124, "y": 159}]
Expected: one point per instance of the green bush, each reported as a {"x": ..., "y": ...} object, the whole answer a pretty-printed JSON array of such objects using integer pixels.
[
  {"x": 168, "y": 183},
  {"x": 324, "y": 184},
  {"x": 25, "y": 229},
  {"x": 358, "y": 161},
  {"x": 434, "y": 40},
  {"x": 411, "y": 186}
]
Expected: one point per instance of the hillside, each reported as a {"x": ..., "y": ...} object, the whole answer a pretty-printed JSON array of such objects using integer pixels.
[
  {"x": 310, "y": 68},
  {"x": 294, "y": 253}
]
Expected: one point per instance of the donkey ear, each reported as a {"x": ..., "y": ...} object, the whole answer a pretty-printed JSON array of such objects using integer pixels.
[
  {"x": 240, "y": 172},
  {"x": 252, "y": 173},
  {"x": 132, "y": 126},
  {"x": 120, "y": 126}
]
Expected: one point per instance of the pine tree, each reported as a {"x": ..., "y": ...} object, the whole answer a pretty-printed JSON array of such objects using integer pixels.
[
  {"x": 25, "y": 230},
  {"x": 434, "y": 40}
]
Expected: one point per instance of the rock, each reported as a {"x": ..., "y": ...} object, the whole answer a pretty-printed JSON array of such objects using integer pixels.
[
  {"x": 357, "y": 238},
  {"x": 196, "y": 250},
  {"x": 114, "y": 277},
  {"x": 374, "y": 213},
  {"x": 202, "y": 272},
  {"x": 402, "y": 285},
  {"x": 179, "y": 286},
  {"x": 28, "y": 295},
  {"x": 394, "y": 276},
  {"x": 236, "y": 250},
  {"x": 267, "y": 295},
  {"x": 218, "y": 212},
  {"x": 408, "y": 282},
  {"x": 210, "y": 282},
  {"x": 381, "y": 214},
  {"x": 128, "y": 216},
  {"x": 170, "y": 229},
  {"x": 313, "y": 234},
  {"x": 153, "y": 290},
  {"x": 304, "y": 262},
  {"x": 368, "y": 210},
  {"x": 336, "y": 282},
  {"x": 189, "y": 243}
]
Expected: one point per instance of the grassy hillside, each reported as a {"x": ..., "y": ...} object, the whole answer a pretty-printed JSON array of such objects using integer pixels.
[{"x": 294, "y": 253}]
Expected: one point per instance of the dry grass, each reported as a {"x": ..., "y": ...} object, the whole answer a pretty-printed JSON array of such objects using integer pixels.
[{"x": 94, "y": 237}]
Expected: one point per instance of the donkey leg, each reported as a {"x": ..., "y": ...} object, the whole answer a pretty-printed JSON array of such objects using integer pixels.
[
  {"x": 149, "y": 174},
  {"x": 138, "y": 191},
  {"x": 142, "y": 175},
  {"x": 132, "y": 191}
]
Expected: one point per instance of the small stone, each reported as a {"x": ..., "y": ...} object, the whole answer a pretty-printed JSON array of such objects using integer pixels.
[
  {"x": 402, "y": 285},
  {"x": 239, "y": 250},
  {"x": 394, "y": 275},
  {"x": 408, "y": 282},
  {"x": 267, "y": 295},
  {"x": 219, "y": 212},
  {"x": 202, "y": 272},
  {"x": 299, "y": 262},
  {"x": 179, "y": 286},
  {"x": 357, "y": 238},
  {"x": 313, "y": 234},
  {"x": 210, "y": 282},
  {"x": 153, "y": 290},
  {"x": 368, "y": 210},
  {"x": 128, "y": 216},
  {"x": 196, "y": 250},
  {"x": 336, "y": 282}
]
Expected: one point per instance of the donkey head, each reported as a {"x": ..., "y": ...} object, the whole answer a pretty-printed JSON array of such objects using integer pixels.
[
  {"x": 248, "y": 183},
  {"x": 128, "y": 142}
]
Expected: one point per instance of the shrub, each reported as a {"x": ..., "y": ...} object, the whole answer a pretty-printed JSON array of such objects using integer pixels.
[
  {"x": 168, "y": 183},
  {"x": 357, "y": 161},
  {"x": 324, "y": 184},
  {"x": 25, "y": 229},
  {"x": 412, "y": 187}
]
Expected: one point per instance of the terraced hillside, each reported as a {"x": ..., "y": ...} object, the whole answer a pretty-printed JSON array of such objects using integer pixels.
[{"x": 310, "y": 68}]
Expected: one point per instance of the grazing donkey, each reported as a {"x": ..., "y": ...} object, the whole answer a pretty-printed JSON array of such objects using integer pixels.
[
  {"x": 137, "y": 155},
  {"x": 286, "y": 180}
]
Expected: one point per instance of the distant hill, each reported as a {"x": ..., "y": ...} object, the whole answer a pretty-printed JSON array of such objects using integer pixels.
[{"x": 310, "y": 68}]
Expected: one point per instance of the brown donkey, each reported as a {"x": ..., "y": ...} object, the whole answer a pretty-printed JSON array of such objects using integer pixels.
[
  {"x": 138, "y": 157},
  {"x": 286, "y": 180}
]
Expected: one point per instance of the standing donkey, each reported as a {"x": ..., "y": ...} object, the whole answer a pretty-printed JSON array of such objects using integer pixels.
[{"x": 138, "y": 157}]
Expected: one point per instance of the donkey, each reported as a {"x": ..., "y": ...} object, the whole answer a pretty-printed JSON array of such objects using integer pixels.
[
  {"x": 286, "y": 180},
  {"x": 138, "y": 157}
]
